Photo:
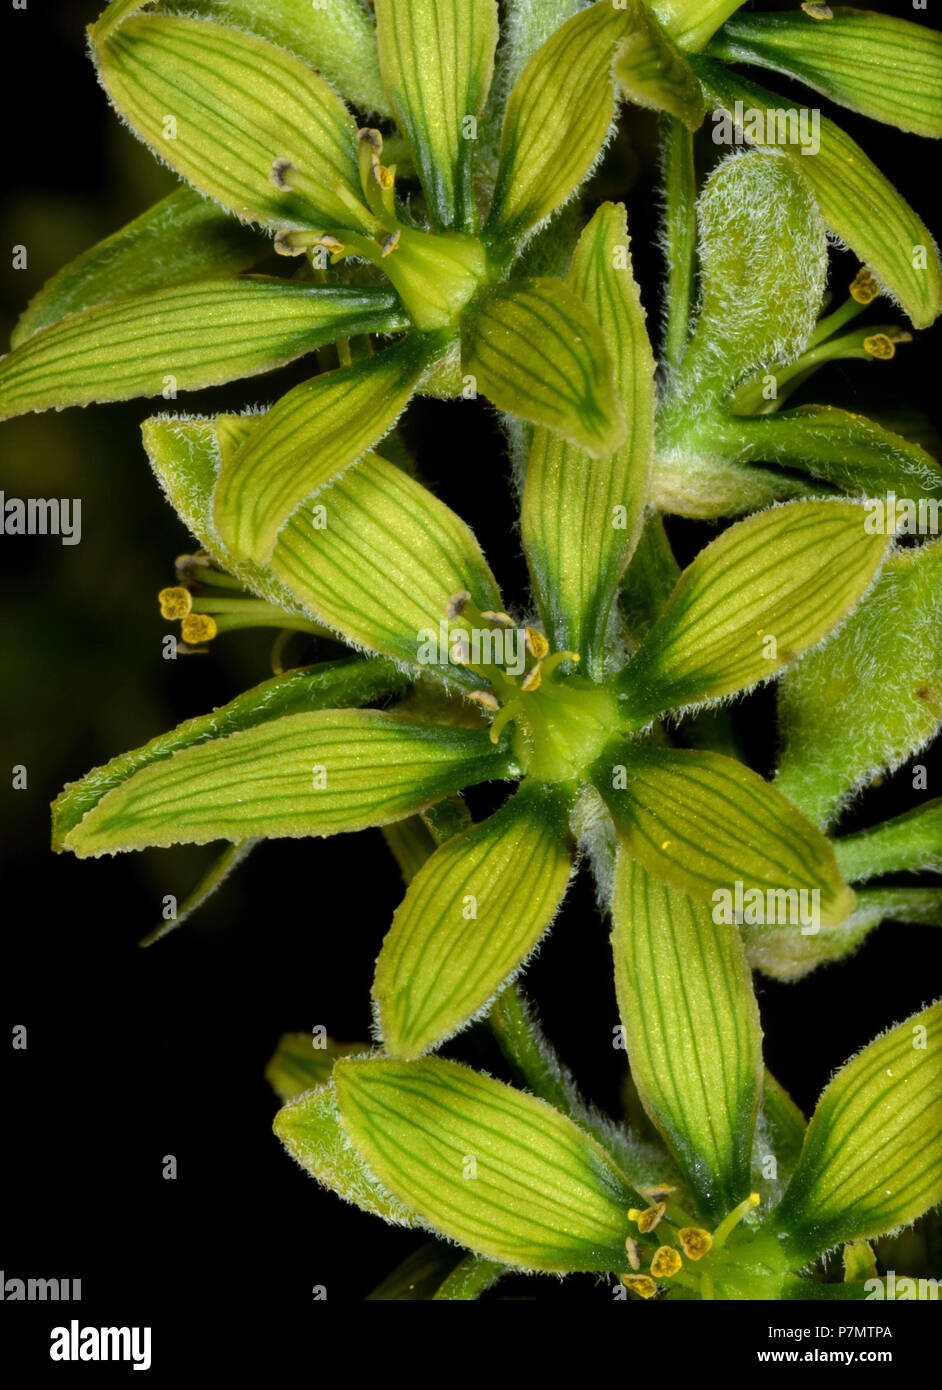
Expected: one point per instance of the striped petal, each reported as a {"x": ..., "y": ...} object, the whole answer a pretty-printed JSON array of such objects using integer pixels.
[
  {"x": 302, "y": 774},
  {"x": 692, "y": 1031},
  {"x": 183, "y": 338},
  {"x": 766, "y": 590},
  {"x": 308, "y": 439},
  {"x": 470, "y": 917},
  {"x": 378, "y": 558},
  {"x": 495, "y": 1170},
  {"x": 711, "y": 826},
  {"x": 535, "y": 350},
  {"x": 581, "y": 520},
  {"x": 437, "y": 61},
  {"x": 872, "y": 1157}
]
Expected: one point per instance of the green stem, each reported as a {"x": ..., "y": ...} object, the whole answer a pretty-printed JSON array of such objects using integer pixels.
[
  {"x": 469, "y": 1279},
  {"x": 527, "y": 1051},
  {"x": 680, "y": 232}
]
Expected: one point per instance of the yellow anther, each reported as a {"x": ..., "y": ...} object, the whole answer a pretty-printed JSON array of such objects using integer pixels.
[
  {"x": 814, "y": 9},
  {"x": 695, "y": 1241},
  {"x": 662, "y": 1190},
  {"x": 633, "y": 1251},
  {"x": 649, "y": 1219},
  {"x": 198, "y": 627},
  {"x": 384, "y": 176},
  {"x": 498, "y": 619},
  {"x": 329, "y": 243},
  {"x": 391, "y": 242},
  {"x": 863, "y": 288},
  {"x": 175, "y": 603},
  {"x": 487, "y": 698},
  {"x": 666, "y": 1262},
  {"x": 640, "y": 1284},
  {"x": 537, "y": 644},
  {"x": 665, "y": 844},
  {"x": 534, "y": 678},
  {"x": 456, "y": 603},
  {"x": 880, "y": 346}
]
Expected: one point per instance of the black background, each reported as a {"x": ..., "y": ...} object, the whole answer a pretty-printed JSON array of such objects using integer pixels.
[{"x": 134, "y": 1054}]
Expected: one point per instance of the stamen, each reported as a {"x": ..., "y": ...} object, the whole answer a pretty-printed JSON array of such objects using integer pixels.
[
  {"x": 666, "y": 1262},
  {"x": 497, "y": 619},
  {"x": 487, "y": 698},
  {"x": 658, "y": 1193},
  {"x": 730, "y": 1222},
  {"x": 197, "y": 628},
  {"x": 696, "y": 1241},
  {"x": 649, "y": 1219},
  {"x": 864, "y": 288},
  {"x": 534, "y": 678},
  {"x": 279, "y": 173},
  {"x": 391, "y": 242},
  {"x": 640, "y": 1284},
  {"x": 537, "y": 644},
  {"x": 880, "y": 346},
  {"x": 455, "y": 605},
  {"x": 633, "y": 1251},
  {"x": 175, "y": 603}
]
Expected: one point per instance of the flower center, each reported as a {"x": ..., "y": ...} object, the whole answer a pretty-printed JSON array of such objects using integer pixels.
[
  {"x": 561, "y": 722},
  {"x": 435, "y": 274}
]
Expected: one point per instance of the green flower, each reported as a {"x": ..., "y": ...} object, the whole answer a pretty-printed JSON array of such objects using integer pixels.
[
  {"x": 732, "y": 1196},
  {"x": 383, "y": 564},
  {"x": 253, "y": 127}
]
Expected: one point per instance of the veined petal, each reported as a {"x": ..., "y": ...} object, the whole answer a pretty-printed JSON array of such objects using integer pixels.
[
  {"x": 222, "y": 107},
  {"x": 311, "y": 1130},
  {"x": 766, "y": 590},
  {"x": 437, "y": 59},
  {"x": 856, "y": 201},
  {"x": 535, "y": 350},
  {"x": 872, "y": 1158},
  {"x": 302, "y": 774},
  {"x": 185, "y": 337},
  {"x": 557, "y": 120},
  {"x": 692, "y": 1031},
  {"x": 581, "y": 519},
  {"x": 183, "y": 237},
  {"x": 847, "y": 450},
  {"x": 889, "y": 694},
  {"x": 470, "y": 917},
  {"x": 302, "y": 1062},
  {"x": 332, "y": 684},
  {"x": 308, "y": 439},
  {"x": 653, "y": 73},
  {"x": 876, "y": 64},
  {"x": 691, "y": 22},
  {"x": 491, "y": 1168},
  {"x": 711, "y": 826},
  {"x": 378, "y": 558},
  {"x": 338, "y": 39}
]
